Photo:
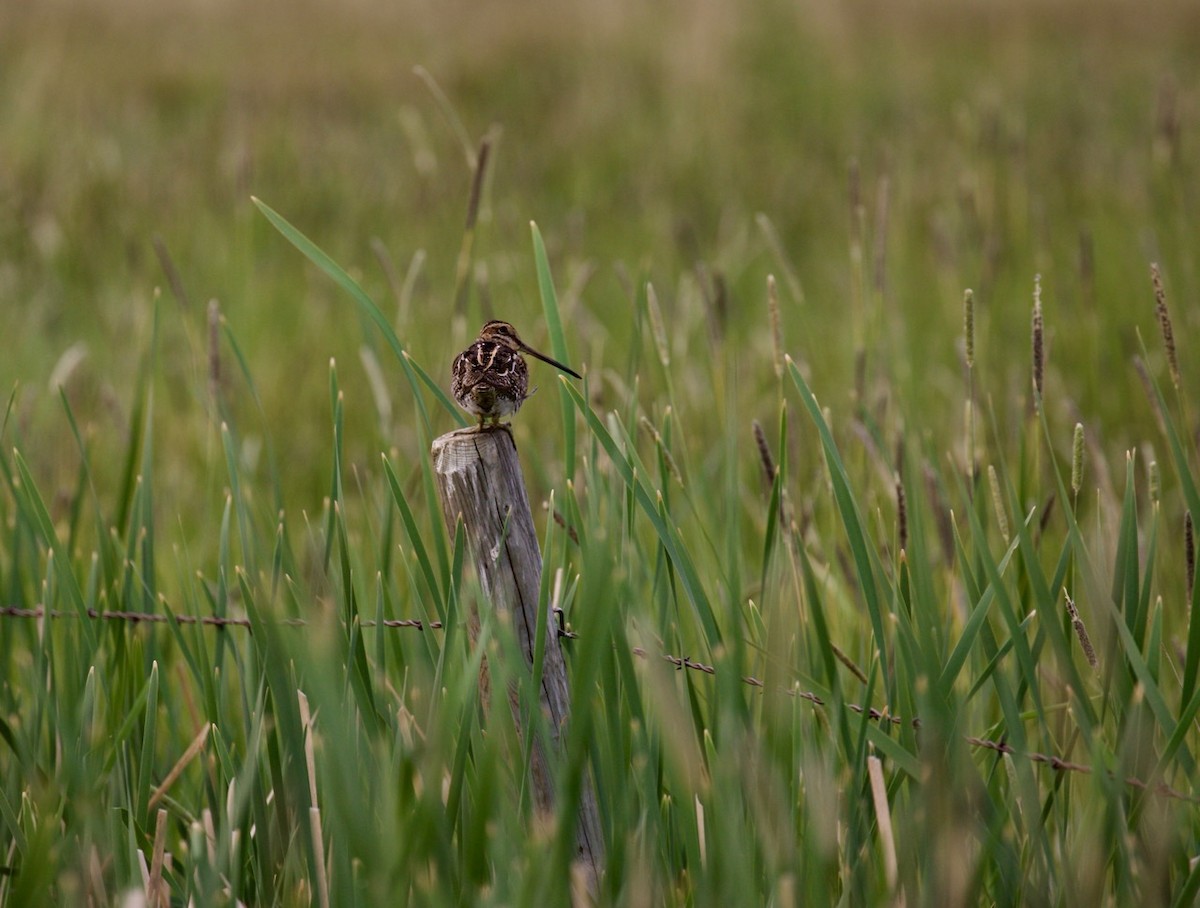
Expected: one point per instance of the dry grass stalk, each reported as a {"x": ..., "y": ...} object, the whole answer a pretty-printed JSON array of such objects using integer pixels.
[
  {"x": 190, "y": 754},
  {"x": 850, "y": 664},
  {"x": 318, "y": 840},
  {"x": 178, "y": 290},
  {"x": 1154, "y": 481},
  {"x": 883, "y": 817},
  {"x": 210, "y": 833},
  {"x": 1143, "y": 374},
  {"x": 314, "y": 812},
  {"x": 881, "y": 227},
  {"x": 462, "y": 268},
  {"x": 481, "y": 162},
  {"x": 1085, "y": 641},
  {"x": 156, "y": 888},
  {"x": 1164, "y": 323},
  {"x": 1039, "y": 341}
]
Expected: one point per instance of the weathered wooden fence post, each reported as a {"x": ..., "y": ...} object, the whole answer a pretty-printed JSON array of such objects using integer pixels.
[{"x": 479, "y": 477}]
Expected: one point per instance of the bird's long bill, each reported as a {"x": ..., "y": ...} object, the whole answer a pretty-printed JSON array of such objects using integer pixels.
[{"x": 555, "y": 363}]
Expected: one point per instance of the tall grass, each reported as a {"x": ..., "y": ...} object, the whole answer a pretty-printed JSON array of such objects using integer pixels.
[
  {"x": 871, "y": 595},
  {"x": 779, "y": 698}
]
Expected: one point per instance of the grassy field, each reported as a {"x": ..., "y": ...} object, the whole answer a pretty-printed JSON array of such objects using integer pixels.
[{"x": 869, "y": 525}]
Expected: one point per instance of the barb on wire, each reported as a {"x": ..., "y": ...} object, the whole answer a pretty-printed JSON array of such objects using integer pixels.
[{"x": 561, "y": 625}]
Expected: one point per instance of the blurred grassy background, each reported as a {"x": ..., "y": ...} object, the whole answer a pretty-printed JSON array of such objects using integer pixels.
[
  {"x": 878, "y": 158},
  {"x": 1006, "y": 139}
]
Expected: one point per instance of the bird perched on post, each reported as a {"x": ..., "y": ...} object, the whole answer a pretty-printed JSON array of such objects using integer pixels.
[{"x": 491, "y": 379}]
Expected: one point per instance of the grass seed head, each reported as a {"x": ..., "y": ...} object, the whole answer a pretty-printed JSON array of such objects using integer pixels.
[
  {"x": 1039, "y": 342},
  {"x": 1077, "y": 459},
  {"x": 969, "y": 326},
  {"x": 764, "y": 456},
  {"x": 1085, "y": 642},
  {"x": 214, "y": 351},
  {"x": 1164, "y": 323}
]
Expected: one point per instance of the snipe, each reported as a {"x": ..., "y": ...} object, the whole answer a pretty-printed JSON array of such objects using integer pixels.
[{"x": 491, "y": 379}]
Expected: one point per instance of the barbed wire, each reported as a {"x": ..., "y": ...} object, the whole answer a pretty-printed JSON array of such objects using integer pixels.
[
  {"x": 681, "y": 663},
  {"x": 1056, "y": 763},
  {"x": 12, "y": 611}
]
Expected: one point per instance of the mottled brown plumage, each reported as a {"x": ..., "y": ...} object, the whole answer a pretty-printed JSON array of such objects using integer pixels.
[{"x": 491, "y": 379}]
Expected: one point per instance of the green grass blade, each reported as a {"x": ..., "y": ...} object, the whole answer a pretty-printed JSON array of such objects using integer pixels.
[
  {"x": 558, "y": 342},
  {"x": 408, "y": 518},
  {"x": 851, "y": 520},
  {"x": 34, "y": 509},
  {"x": 1191, "y": 664},
  {"x": 149, "y": 742},
  {"x": 318, "y": 257},
  {"x": 647, "y": 502},
  {"x": 970, "y": 635}
]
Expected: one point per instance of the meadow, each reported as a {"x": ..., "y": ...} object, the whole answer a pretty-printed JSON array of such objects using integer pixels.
[{"x": 871, "y": 519}]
